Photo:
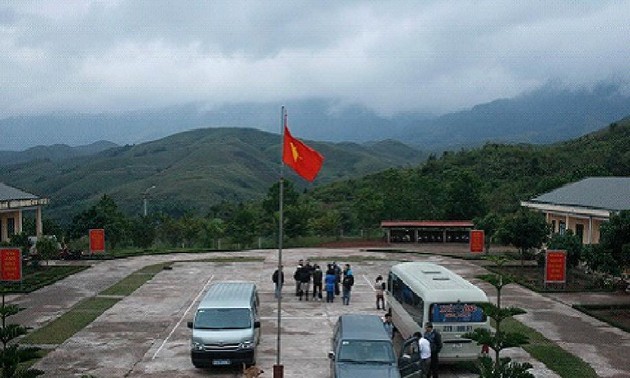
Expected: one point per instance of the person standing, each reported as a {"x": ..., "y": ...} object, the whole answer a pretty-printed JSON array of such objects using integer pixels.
[
  {"x": 380, "y": 292},
  {"x": 295, "y": 277},
  {"x": 424, "y": 348},
  {"x": 330, "y": 281},
  {"x": 347, "y": 283},
  {"x": 337, "y": 270},
  {"x": 318, "y": 276},
  {"x": 390, "y": 328},
  {"x": 278, "y": 280},
  {"x": 304, "y": 276},
  {"x": 435, "y": 340}
]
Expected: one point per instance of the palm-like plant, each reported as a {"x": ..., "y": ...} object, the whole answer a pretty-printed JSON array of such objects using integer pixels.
[
  {"x": 498, "y": 339},
  {"x": 12, "y": 354}
]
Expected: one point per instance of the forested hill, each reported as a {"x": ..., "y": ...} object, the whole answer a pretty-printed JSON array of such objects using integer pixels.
[
  {"x": 470, "y": 183},
  {"x": 192, "y": 171}
]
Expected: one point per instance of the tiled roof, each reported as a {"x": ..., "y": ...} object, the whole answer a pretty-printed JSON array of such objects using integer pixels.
[
  {"x": 8, "y": 193},
  {"x": 608, "y": 193}
]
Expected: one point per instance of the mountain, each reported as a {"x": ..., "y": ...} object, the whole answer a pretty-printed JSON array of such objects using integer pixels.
[
  {"x": 192, "y": 170},
  {"x": 54, "y": 152},
  {"x": 469, "y": 183},
  {"x": 545, "y": 115}
]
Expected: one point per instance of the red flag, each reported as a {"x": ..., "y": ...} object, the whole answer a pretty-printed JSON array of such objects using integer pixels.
[{"x": 304, "y": 160}]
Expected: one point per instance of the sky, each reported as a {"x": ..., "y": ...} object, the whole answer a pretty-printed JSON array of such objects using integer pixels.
[{"x": 425, "y": 56}]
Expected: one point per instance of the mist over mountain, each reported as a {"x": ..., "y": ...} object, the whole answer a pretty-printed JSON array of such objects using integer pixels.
[{"x": 546, "y": 115}]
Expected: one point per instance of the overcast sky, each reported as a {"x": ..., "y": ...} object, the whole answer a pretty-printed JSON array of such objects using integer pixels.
[{"x": 391, "y": 56}]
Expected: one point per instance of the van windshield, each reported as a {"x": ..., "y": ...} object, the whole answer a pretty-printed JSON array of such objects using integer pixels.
[
  {"x": 366, "y": 351},
  {"x": 223, "y": 318}
]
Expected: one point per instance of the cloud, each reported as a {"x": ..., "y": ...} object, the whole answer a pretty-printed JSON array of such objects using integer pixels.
[{"x": 94, "y": 56}]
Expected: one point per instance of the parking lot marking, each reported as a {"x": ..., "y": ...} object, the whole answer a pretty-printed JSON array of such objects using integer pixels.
[
  {"x": 203, "y": 290},
  {"x": 368, "y": 281}
]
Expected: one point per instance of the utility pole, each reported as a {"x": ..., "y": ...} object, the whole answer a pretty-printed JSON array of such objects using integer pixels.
[{"x": 144, "y": 198}]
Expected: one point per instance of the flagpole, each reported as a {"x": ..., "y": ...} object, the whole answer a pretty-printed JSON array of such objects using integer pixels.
[{"x": 278, "y": 369}]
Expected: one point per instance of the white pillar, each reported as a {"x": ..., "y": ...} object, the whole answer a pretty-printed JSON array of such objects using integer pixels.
[
  {"x": 39, "y": 228},
  {"x": 3, "y": 225},
  {"x": 18, "y": 222}
]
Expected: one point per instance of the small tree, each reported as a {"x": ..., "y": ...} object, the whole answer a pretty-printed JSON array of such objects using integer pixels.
[
  {"x": 570, "y": 243},
  {"x": 615, "y": 240},
  {"x": 12, "y": 354},
  {"x": 499, "y": 340},
  {"x": 47, "y": 248},
  {"x": 489, "y": 224},
  {"x": 524, "y": 230}
]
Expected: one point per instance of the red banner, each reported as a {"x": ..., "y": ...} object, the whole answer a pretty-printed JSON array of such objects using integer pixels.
[
  {"x": 477, "y": 241},
  {"x": 97, "y": 240},
  {"x": 556, "y": 266},
  {"x": 10, "y": 264}
]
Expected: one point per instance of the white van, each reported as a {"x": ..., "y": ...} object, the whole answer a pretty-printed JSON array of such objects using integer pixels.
[{"x": 226, "y": 327}]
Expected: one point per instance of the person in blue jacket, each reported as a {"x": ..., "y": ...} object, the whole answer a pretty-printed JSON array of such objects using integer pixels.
[{"x": 330, "y": 281}]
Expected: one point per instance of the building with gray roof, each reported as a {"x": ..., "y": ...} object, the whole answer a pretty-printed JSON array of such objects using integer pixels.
[
  {"x": 13, "y": 202},
  {"x": 584, "y": 205}
]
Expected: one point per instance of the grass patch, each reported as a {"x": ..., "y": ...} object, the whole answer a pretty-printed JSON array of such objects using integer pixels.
[
  {"x": 532, "y": 277},
  {"x": 62, "y": 328},
  {"x": 132, "y": 282},
  {"x": 34, "y": 278},
  {"x": 616, "y": 315},
  {"x": 544, "y": 350},
  {"x": 86, "y": 311}
]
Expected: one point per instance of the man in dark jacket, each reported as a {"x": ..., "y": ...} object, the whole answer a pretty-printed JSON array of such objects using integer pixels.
[
  {"x": 295, "y": 277},
  {"x": 435, "y": 339},
  {"x": 318, "y": 276},
  {"x": 278, "y": 280},
  {"x": 304, "y": 276}
]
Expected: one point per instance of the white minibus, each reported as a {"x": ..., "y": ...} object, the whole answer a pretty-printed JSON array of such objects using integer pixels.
[{"x": 420, "y": 292}]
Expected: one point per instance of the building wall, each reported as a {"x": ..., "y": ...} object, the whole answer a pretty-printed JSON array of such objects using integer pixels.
[
  {"x": 571, "y": 223},
  {"x": 10, "y": 224}
]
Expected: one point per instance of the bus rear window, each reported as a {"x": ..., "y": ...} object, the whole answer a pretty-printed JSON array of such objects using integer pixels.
[{"x": 456, "y": 313}]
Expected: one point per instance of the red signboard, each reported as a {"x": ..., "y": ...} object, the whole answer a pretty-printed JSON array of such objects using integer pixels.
[
  {"x": 10, "y": 264},
  {"x": 97, "y": 240},
  {"x": 556, "y": 266},
  {"x": 477, "y": 241}
]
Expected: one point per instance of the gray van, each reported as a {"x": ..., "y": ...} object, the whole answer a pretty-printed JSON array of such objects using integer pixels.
[
  {"x": 226, "y": 327},
  {"x": 362, "y": 348}
]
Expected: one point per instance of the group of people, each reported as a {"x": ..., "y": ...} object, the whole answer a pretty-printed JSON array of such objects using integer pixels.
[
  {"x": 305, "y": 275},
  {"x": 334, "y": 281},
  {"x": 429, "y": 346}
]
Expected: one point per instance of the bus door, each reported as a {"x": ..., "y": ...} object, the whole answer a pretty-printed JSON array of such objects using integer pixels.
[{"x": 409, "y": 359}]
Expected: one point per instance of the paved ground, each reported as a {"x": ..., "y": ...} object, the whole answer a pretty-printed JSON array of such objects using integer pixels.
[{"x": 145, "y": 334}]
